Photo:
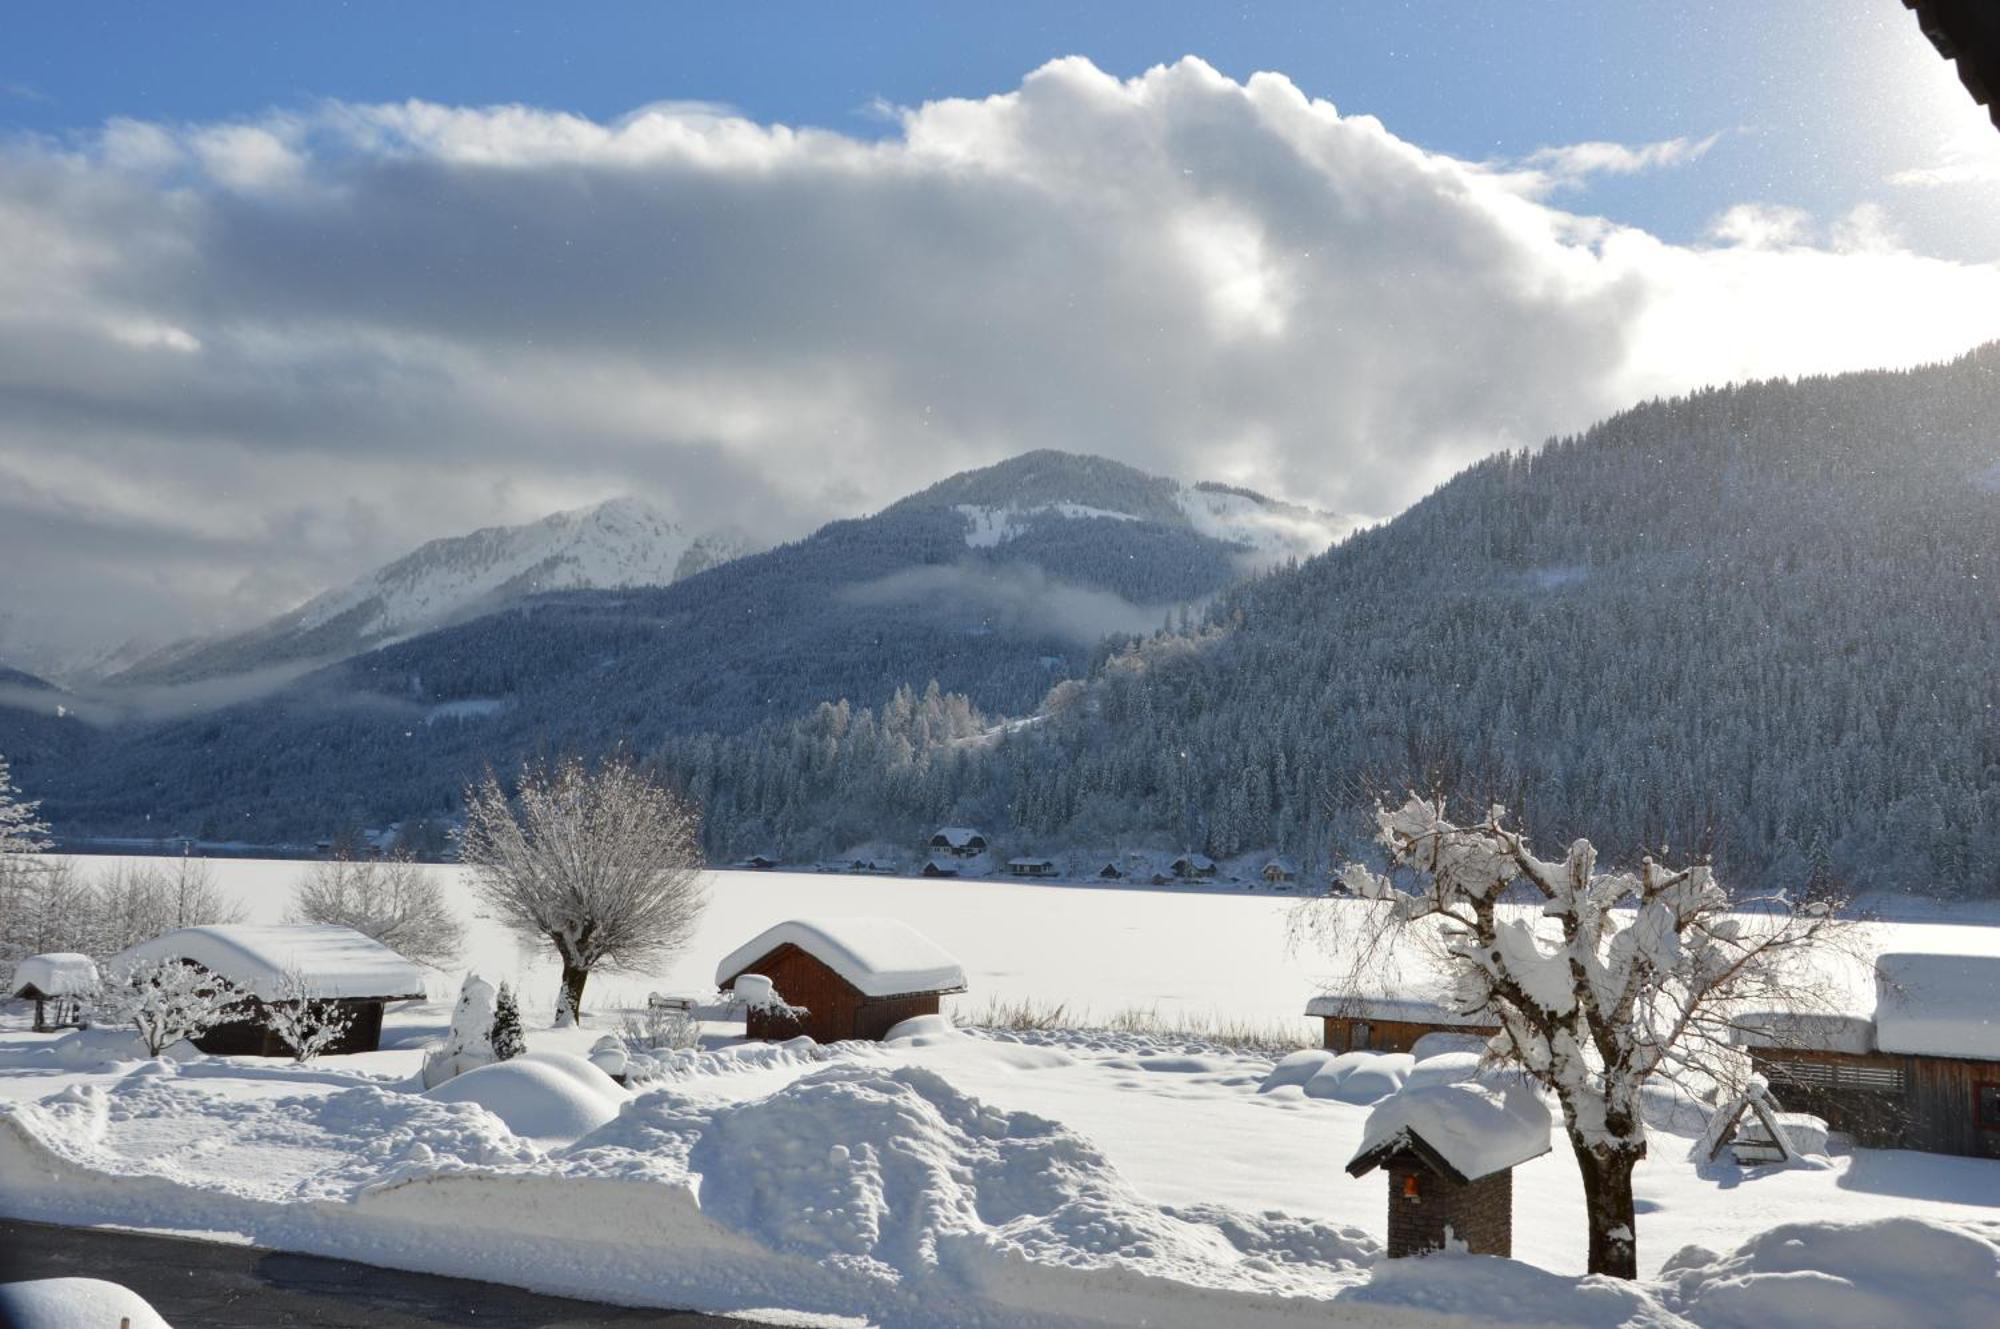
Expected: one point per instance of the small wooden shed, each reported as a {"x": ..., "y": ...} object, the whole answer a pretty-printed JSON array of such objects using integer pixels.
[
  {"x": 1278, "y": 871},
  {"x": 58, "y": 979},
  {"x": 337, "y": 964},
  {"x": 853, "y": 977},
  {"x": 1450, "y": 1151},
  {"x": 1370, "y": 1022},
  {"x": 1032, "y": 867},
  {"x": 1922, "y": 1071}
]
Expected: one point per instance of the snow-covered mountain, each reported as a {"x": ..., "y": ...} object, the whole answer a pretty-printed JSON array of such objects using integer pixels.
[
  {"x": 623, "y": 542},
  {"x": 1004, "y": 502}
]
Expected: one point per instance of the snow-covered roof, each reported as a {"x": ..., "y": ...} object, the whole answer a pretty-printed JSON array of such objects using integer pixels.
[
  {"x": 1202, "y": 861},
  {"x": 333, "y": 961},
  {"x": 57, "y": 974},
  {"x": 1031, "y": 862},
  {"x": 1809, "y": 1031},
  {"x": 882, "y": 957},
  {"x": 1413, "y": 1010},
  {"x": 958, "y": 837},
  {"x": 1938, "y": 1005},
  {"x": 1474, "y": 1127}
]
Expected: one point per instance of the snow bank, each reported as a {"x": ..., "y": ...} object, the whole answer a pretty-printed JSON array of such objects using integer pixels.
[
  {"x": 1477, "y": 1127},
  {"x": 333, "y": 961},
  {"x": 75, "y": 1303},
  {"x": 56, "y": 974},
  {"x": 1937, "y": 1005},
  {"x": 882, "y": 957},
  {"x": 1901, "y": 1272},
  {"x": 541, "y": 1096},
  {"x": 1349, "y": 1077}
]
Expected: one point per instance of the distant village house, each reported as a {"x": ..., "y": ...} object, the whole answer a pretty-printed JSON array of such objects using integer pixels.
[
  {"x": 958, "y": 842},
  {"x": 1032, "y": 867}
]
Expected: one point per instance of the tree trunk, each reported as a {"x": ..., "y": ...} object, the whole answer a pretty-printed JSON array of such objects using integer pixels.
[
  {"x": 570, "y": 999},
  {"x": 1607, "y": 1198}
]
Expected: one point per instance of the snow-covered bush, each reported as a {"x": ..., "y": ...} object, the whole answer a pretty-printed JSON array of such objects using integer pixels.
[
  {"x": 658, "y": 1029},
  {"x": 1610, "y": 979},
  {"x": 306, "y": 1024},
  {"x": 165, "y": 1001},
  {"x": 469, "y": 1042},
  {"x": 507, "y": 1040}
]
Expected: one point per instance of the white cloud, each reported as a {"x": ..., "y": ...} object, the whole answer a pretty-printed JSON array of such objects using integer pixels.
[
  {"x": 254, "y": 358},
  {"x": 1571, "y": 165}
]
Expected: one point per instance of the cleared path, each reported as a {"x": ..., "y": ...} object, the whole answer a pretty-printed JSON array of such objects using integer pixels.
[{"x": 209, "y": 1285}]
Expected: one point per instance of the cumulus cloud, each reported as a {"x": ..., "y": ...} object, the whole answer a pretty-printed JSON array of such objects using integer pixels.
[
  {"x": 249, "y": 360},
  {"x": 1571, "y": 165}
]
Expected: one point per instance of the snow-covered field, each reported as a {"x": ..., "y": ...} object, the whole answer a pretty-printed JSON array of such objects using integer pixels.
[{"x": 948, "y": 1177}]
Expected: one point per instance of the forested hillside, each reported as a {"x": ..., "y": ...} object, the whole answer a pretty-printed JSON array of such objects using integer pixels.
[
  {"x": 996, "y": 605},
  {"x": 1760, "y": 621}
]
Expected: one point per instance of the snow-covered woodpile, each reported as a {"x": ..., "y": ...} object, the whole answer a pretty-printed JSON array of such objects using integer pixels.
[
  {"x": 853, "y": 977},
  {"x": 278, "y": 962}
]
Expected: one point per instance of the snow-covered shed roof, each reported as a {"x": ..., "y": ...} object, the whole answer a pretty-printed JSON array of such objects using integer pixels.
[
  {"x": 1807, "y": 1031},
  {"x": 958, "y": 837},
  {"x": 56, "y": 974},
  {"x": 333, "y": 961},
  {"x": 1938, "y": 1005},
  {"x": 1200, "y": 862},
  {"x": 1468, "y": 1130},
  {"x": 1031, "y": 862},
  {"x": 1412, "y": 1010},
  {"x": 882, "y": 957}
]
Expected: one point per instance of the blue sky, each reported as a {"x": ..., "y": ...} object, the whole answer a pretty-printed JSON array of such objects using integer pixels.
[
  {"x": 1818, "y": 101},
  {"x": 287, "y": 290}
]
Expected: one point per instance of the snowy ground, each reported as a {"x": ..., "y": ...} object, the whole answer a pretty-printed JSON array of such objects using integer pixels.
[{"x": 1035, "y": 1179}]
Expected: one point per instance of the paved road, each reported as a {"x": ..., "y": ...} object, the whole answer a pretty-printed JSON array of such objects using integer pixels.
[{"x": 208, "y": 1285}]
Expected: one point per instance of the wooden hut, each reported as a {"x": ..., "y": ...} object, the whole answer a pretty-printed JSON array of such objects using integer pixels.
[
  {"x": 1032, "y": 867},
  {"x": 57, "y": 983},
  {"x": 840, "y": 978},
  {"x": 1450, "y": 1151},
  {"x": 1278, "y": 871},
  {"x": 332, "y": 963},
  {"x": 1922, "y": 1071},
  {"x": 1111, "y": 872},
  {"x": 1194, "y": 867},
  {"x": 1356, "y": 1022}
]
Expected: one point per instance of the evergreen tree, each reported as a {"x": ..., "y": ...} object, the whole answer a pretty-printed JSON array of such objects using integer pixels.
[{"x": 507, "y": 1038}]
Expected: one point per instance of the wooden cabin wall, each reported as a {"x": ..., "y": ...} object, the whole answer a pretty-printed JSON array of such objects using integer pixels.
[{"x": 1348, "y": 1035}]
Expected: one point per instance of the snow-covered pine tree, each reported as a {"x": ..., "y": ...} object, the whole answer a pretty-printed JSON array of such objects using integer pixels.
[
  {"x": 23, "y": 838},
  {"x": 507, "y": 1039},
  {"x": 1605, "y": 981}
]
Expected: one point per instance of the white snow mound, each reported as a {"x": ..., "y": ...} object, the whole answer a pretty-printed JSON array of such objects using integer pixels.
[
  {"x": 541, "y": 1096},
  {"x": 56, "y": 974},
  {"x": 75, "y": 1303},
  {"x": 331, "y": 961}
]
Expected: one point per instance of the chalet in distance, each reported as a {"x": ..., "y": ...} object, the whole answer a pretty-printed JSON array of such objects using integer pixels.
[
  {"x": 1921, "y": 1071},
  {"x": 1032, "y": 867},
  {"x": 1279, "y": 872},
  {"x": 840, "y": 978},
  {"x": 957, "y": 842},
  {"x": 1194, "y": 867},
  {"x": 1366, "y": 1022},
  {"x": 336, "y": 964}
]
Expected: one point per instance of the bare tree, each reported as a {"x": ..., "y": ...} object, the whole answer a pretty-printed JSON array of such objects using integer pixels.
[
  {"x": 605, "y": 865},
  {"x": 1605, "y": 980},
  {"x": 165, "y": 1001},
  {"x": 393, "y": 900},
  {"x": 306, "y": 1024},
  {"x": 133, "y": 902}
]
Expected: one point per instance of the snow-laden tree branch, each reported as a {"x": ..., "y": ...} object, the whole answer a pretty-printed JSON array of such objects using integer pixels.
[
  {"x": 306, "y": 1024},
  {"x": 605, "y": 864},
  {"x": 165, "y": 1001},
  {"x": 1616, "y": 977}
]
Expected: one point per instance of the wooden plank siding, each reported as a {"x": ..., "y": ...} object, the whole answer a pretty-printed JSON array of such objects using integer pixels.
[
  {"x": 835, "y": 1008},
  {"x": 1885, "y": 1100},
  {"x": 248, "y": 1036},
  {"x": 1347, "y": 1034}
]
